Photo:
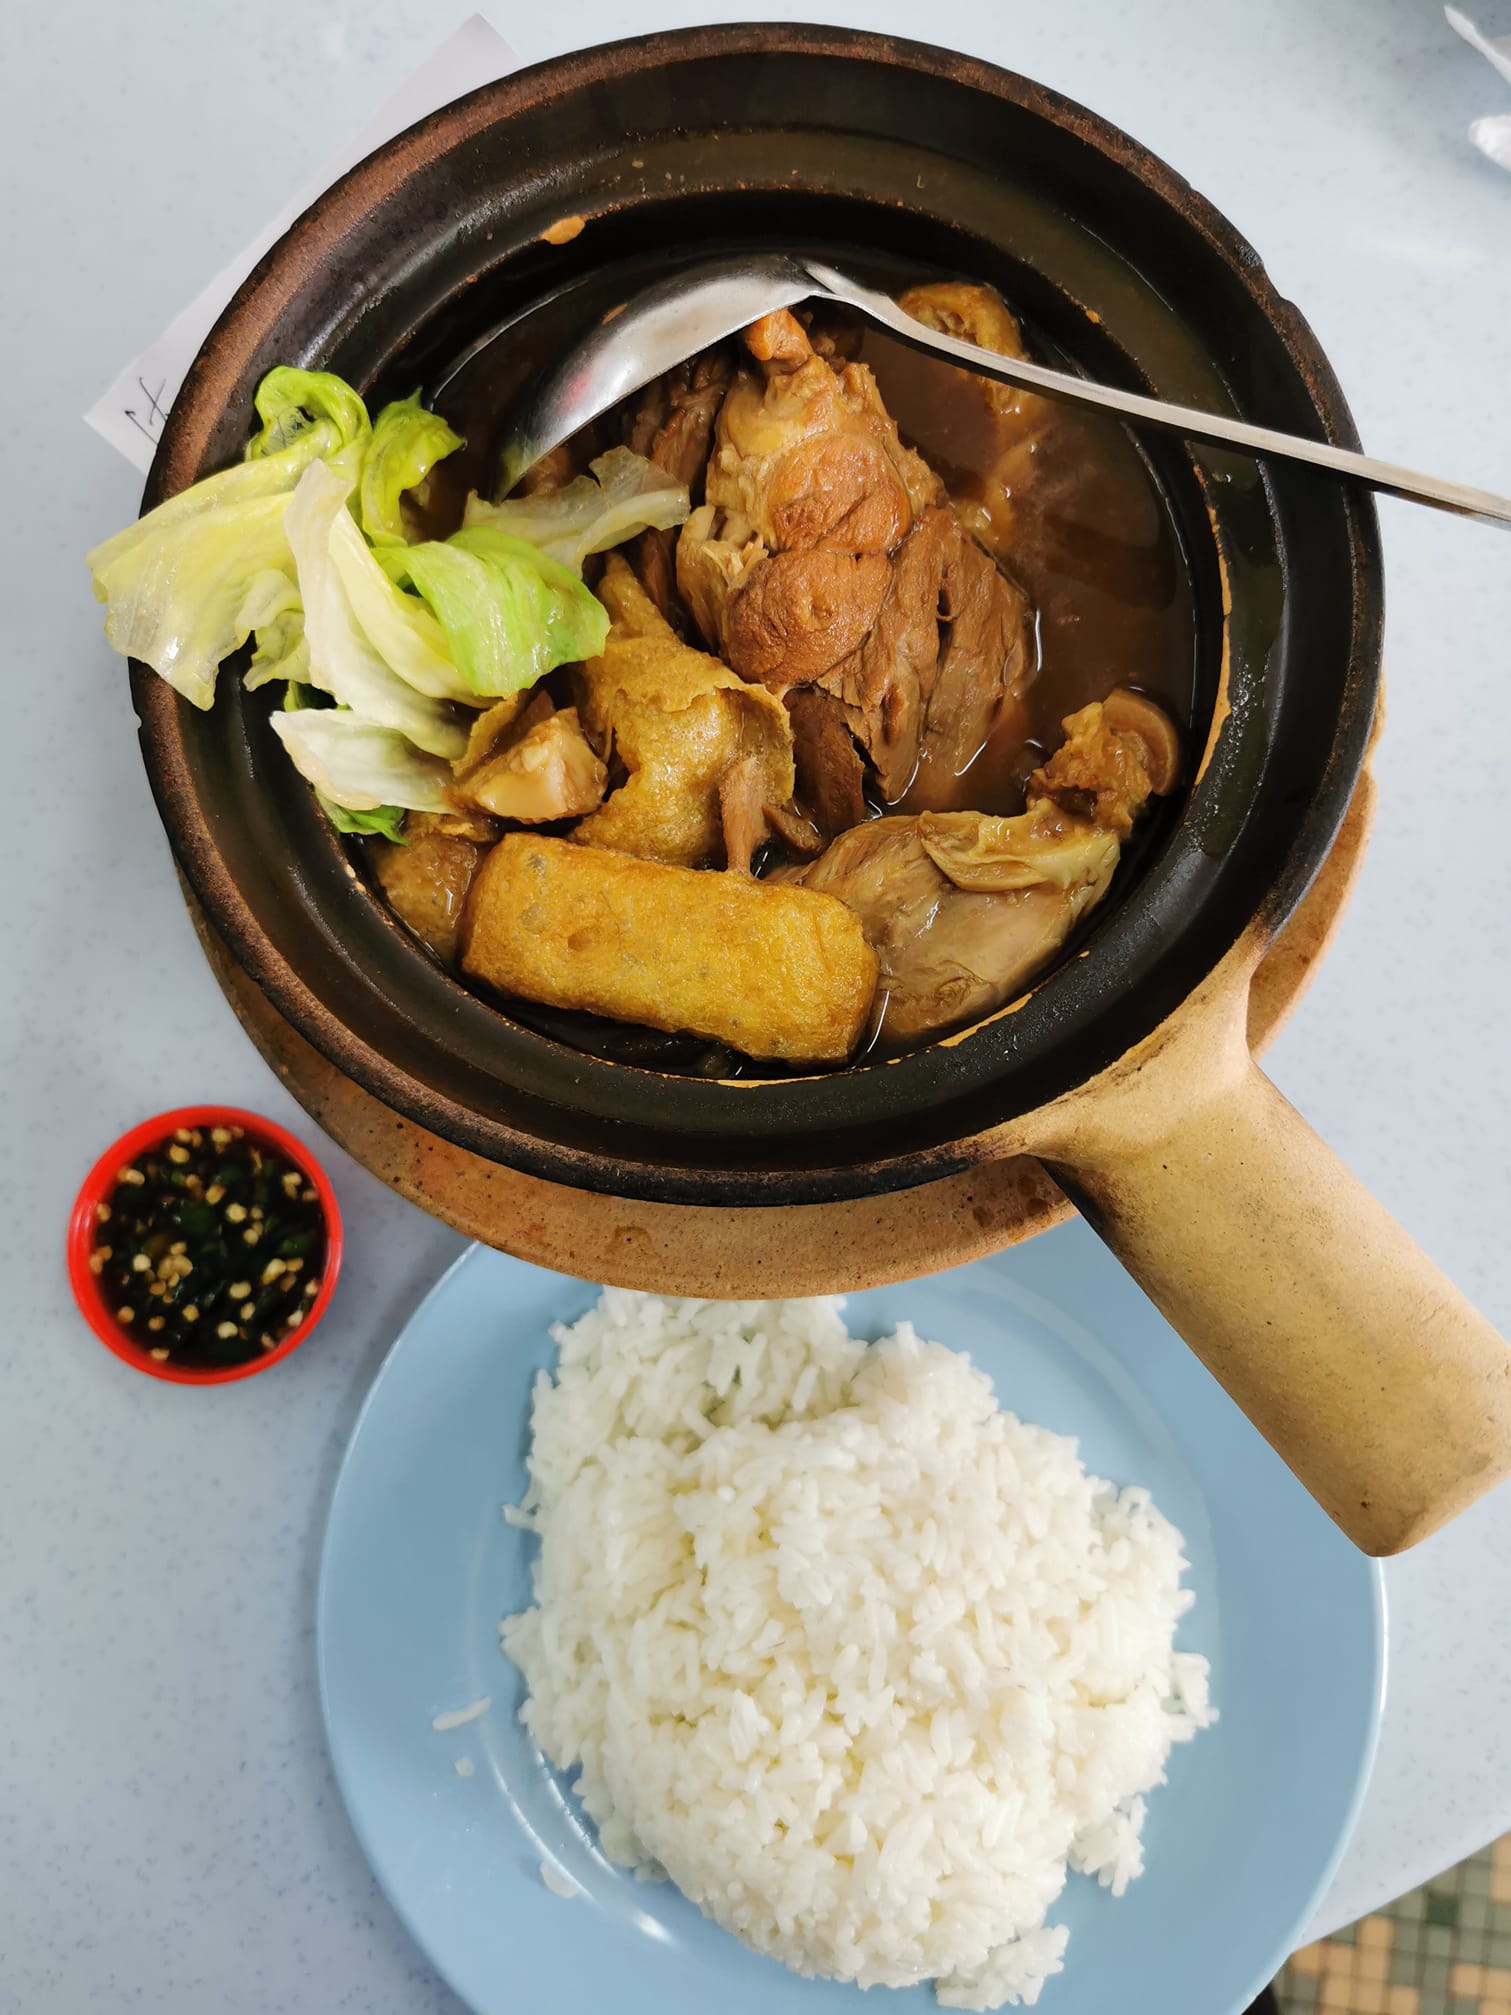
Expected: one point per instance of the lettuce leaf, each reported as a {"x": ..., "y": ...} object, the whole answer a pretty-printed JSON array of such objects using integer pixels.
[
  {"x": 624, "y": 495},
  {"x": 510, "y": 614},
  {"x": 276, "y": 616},
  {"x": 181, "y": 586},
  {"x": 292, "y": 403},
  {"x": 176, "y": 583},
  {"x": 386, "y": 823},
  {"x": 400, "y": 628},
  {"x": 407, "y": 442},
  {"x": 343, "y": 660},
  {"x": 358, "y": 767},
  {"x": 387, "y": 820}
]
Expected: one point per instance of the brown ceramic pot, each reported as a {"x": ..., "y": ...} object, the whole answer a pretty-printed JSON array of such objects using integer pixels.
[{"x": 1126, "y": 1070}]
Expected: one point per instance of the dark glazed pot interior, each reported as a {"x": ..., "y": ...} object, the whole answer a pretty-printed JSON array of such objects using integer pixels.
[{"x": 706, "y": 140}]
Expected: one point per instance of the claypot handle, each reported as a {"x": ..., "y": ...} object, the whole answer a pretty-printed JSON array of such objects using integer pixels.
[{"x": 1363, "y": 1366}]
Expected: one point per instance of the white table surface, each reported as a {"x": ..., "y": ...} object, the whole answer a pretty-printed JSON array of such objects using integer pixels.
[{"x": 170, "y": 1836}]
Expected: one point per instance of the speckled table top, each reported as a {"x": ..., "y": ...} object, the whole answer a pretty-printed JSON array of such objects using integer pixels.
[{"x": 170, "y": 1837}]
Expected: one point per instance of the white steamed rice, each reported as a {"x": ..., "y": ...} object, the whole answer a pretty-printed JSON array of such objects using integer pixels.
[{"x": 860, "y": 1661}]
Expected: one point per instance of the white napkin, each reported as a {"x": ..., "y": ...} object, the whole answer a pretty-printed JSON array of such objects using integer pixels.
[
  {"x": 1491, "y": 136},
  {"x": 131, "y": 413}
]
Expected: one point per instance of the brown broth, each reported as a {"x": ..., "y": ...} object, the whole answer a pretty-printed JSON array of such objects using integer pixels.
[{"x": 1080, "y": 523}]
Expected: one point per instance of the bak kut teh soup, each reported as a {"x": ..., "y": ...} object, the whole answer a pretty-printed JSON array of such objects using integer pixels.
[
  {"x": 803, "y": 709},
  {"x": 923, "y": 646}
]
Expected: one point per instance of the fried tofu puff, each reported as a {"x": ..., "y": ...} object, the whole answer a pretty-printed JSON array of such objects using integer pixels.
[{"x": 771, "y": 970}]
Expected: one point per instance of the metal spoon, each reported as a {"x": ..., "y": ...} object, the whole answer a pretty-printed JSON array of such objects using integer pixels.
[{"x": 679, "y": 316}]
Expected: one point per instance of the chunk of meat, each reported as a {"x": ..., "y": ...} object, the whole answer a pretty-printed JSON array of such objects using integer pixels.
[
  {"x": 1130, "y": 713},
  {"x": 676, "y": 720},
  {"x": 946, "y": 956},
  {"x": 964, "y": 910},
  {"x": 794, "y": 830},
  {"x": 553, "y": 471},
  {"x": 802, "y": 613},
  {"x": 830, "y": 774},
  {"x": 549, "y": 773},
  {"x": 984, "y": 670},
  {"x": 772, "y": 970},
  {"x": 945, "y": 666},
  {"x": 492, "y": 729},
  {"x": 885, "y": 685},
  {"x": 712, "y": 570},
  {"x": 673, "y": 428},
  {"x": 779, "y": 339},
  {"x": 807, "y": 455},
  {"x": 827, "y": 554},
  {"x": 1102, "y": 772},
  {"x": 1000, "y": 428},
  {"x": 742, "y": 812},
  {"x": 1043, "y": 844},
  {"x": 426, "y": 878}
]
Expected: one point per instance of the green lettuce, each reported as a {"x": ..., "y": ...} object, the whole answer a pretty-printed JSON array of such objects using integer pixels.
[
  {"x": 385, "y": 820},
  {"x": 183, "y": 585},
  {"x": 276, "y": 617},
  {"x": 343, "y": 660},
  {"x": 358, "y": 767},
  {"x": 624, "y": 495},
  {"x": 510, "y": 614},
  {"x": 292, "y": 404},
  {"x": 407, "y": 442},
  {"x": 386, "y": 823},
  {"x": 400, "y": 628}
]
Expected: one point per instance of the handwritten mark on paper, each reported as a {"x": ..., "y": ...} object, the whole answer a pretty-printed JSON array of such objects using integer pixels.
[{"x": 131, "y": 413}]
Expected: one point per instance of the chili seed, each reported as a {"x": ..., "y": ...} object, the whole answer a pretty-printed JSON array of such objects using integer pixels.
[
  {"x": 178, "y": 1154},
  {"x": 236, "y": 1212},
  {"x": 221, "y": 1135},
  {"x": 132, "y": 1175},
  {"x": 215, "y": 1192},
  {"x": 240, "y": 1290},
  {"x": 97, "y": 1262},
  {"x": 224, "y": 1330},
  {"x": 102, "y": 1213},
  {"x": 125, "y": 1314},
  {"x": 272, "y": 1270},
  {"x": 155, "y": 1321},
  {"x": 190, "y": 1313},
  {"x": 140, "y": 1263},
  {"x": 182, "y": 1133}
]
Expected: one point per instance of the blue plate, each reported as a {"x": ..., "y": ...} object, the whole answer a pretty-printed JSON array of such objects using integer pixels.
[{"x": 419, "y": 1566}]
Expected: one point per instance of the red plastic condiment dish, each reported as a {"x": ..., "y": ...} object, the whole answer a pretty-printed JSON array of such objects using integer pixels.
[{"x": 97, "y": 1188}]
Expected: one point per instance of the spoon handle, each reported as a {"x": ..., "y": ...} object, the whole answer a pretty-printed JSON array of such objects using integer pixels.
[{"x": 1189, "y": 421}]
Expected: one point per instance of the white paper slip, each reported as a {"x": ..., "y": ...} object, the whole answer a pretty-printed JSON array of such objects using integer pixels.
[{"x": 131, "y": 413}]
